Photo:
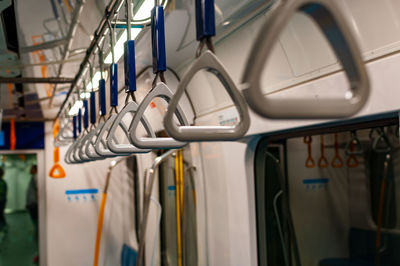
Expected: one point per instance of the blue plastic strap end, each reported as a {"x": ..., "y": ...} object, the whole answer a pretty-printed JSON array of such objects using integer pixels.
[
  {"x": 205, "y": 19},
  {"x": 114, "y": 84},
  {"x": 102, "y": 96},
  {"x": 93, "y": 107},
  {"x": 80, "y": 121},
  {"x": 54, "y": 7},
  {"x": 74, "y": 127},
  {"x": 86, "y": 114},
  {"x": 158, "y": 40},
  {"x": 130, "y": 66}
]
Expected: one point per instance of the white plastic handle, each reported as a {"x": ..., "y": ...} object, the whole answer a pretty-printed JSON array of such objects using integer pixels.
[
  {"x": 209, "y": 62},
  {"x": 123, "y": 148},
  {"x": 161, "y": 90},
  {"x": 328, "y": 17},
  {"x": 101, "y": 143},
  {"x": 90, "y": 144}
]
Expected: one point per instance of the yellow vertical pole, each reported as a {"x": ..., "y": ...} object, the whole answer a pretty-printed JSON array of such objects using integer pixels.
[{"x": 178, "y": 209}]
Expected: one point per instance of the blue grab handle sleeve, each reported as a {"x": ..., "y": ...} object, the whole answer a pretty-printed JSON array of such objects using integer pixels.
[
  {"x": 54, "y": 7},
  {"x": 205, "y": 19},
  {"x": 114, "y": 84},
  {"x": 102, "y": 96},
  {"x": 86, "y": 114},
  {"x": 74, "y": 127},
  {"x": 130, "y": 65},
  {"x": 158, "y": 40},
  {"x": 80, "y": 120},
  {"x": 93, "y": 107}
]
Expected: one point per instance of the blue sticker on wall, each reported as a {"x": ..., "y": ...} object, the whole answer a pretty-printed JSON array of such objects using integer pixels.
[
  {"x": 82, "y": 195},
  {"x": 316, "y": 183}
]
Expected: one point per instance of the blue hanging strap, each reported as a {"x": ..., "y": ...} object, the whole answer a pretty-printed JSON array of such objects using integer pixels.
[
  {"x": 74, "y": 127},
  {"x": 158, "y": 40},
  {"x": 205, "y": 19},
  {"x": 86, "y": 114},
  {"x": 114, "y": 84},
  {"x": 130, "y": 66},
  {"x": 54, "y": 7},
  {"x": 93, "y": 107},
  {"x": 102, "y": 96},
  {"x": 80, "y": 120}
]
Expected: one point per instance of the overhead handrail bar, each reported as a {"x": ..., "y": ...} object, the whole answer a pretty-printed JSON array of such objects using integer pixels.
[
  {"x": 158, "y": 90},
  {"x": 205, "y": 28},
  {"x": 110, "y": 10},
  {"x": 332, "y": 23},
  {"x": 112, "y": 7}
]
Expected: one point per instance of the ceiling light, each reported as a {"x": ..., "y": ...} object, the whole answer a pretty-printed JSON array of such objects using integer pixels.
[
  {"x": 143, "y": 13},
  {"x": 75, "y": 108}
]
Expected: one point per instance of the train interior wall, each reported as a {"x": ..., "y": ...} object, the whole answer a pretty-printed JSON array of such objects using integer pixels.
[{"x": 224, "y": 177}]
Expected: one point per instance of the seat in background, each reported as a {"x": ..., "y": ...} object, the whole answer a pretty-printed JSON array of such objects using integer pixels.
[{"x": 362, "y": 250}]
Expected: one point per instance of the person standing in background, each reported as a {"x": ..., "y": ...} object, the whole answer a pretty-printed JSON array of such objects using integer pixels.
[
  {"x": 32, "y": 198},
  {"x": 32, "y": 205},
  {"x": 3, "y": 199}
]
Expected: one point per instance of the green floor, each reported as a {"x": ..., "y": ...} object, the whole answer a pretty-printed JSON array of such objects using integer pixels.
[{"x": 17, "y": 243}]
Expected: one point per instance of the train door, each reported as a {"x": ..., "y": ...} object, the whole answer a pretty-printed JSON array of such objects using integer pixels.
[
  {"x": 19, "y": 217},
  {"x": 329, "y": 195}
]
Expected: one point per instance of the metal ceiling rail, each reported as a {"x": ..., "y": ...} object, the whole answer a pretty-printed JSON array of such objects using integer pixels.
[
  {"x": 99, "y": 34},
  {"x": 43, "y": 46},
  {"x": 51, "y": 80},
  {"x": 71, "y": 32}
]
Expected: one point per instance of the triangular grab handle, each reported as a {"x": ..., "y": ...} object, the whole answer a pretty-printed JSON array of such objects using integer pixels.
[
  {"x": 209, "y": 62},
  {"x": 57, "y": 171},
  {"x": 329, "y": 19},
  {"x": 160, "y": 91},
  {"x": 121, "y": 148}
]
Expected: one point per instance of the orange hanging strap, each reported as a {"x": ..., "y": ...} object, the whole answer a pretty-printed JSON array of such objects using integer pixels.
[
  {"x": 56, "y": 170},
  {"x": 337, "y": 161},
  {"x": 10, "y": 93},
  {"x": 310, "y": 163},
  {"x": 322, "y": 162},
  {"x": 13, "y": 138}
]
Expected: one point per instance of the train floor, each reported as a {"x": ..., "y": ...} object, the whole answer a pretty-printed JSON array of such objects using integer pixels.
[{"x": 18, "y": 244}]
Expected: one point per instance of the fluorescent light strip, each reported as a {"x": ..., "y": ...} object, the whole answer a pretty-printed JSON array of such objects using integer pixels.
[
  {"x": 143, "y": 13},
  {"x": 75, "y": 108},
  {"x": 119, "y": 46},
  {"x": 95, "y": 81},
  {"x": 85, "y": 95}
]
